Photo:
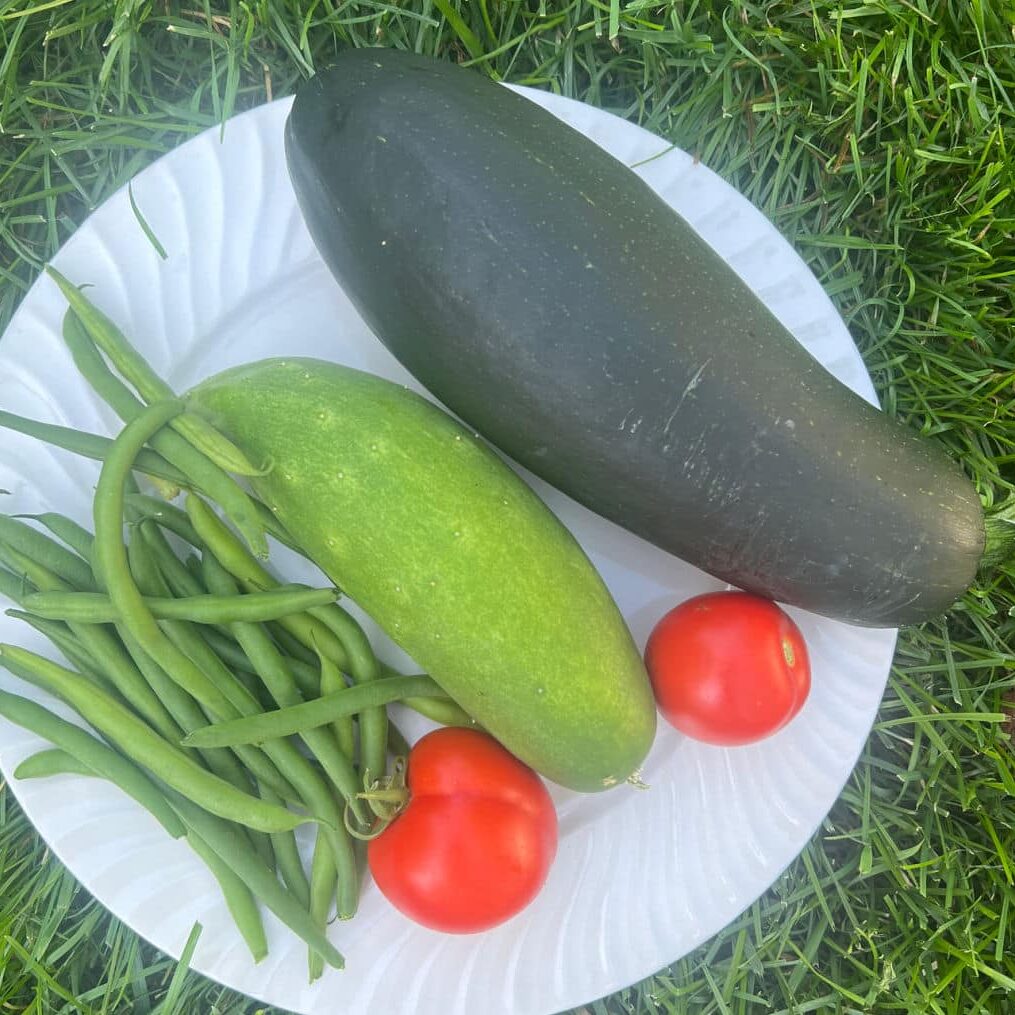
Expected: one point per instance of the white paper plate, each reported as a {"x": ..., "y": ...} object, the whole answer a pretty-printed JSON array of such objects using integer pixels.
[{"x": 641, "y": 877}]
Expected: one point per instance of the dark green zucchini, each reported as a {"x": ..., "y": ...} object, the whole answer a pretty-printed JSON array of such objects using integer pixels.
[{"x": 545, "y": 294}]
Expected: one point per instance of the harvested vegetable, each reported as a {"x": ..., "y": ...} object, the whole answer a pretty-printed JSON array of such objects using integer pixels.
[
  {"x": 728, "y": 668},
  {"x": 196, "y": 651},
  {"x": 553, "y": 301},
  {"x": 475, "y": 840},
  {"x": 451, "y": 553}
]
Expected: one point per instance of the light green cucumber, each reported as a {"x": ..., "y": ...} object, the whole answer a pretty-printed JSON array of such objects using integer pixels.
[{"x": 452, "y": 554}]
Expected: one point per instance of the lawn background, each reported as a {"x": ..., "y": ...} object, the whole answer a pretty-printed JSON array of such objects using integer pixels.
[{"x": 878, "y": 136}]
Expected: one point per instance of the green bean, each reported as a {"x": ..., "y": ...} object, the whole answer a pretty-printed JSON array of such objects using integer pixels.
[
  {"x": 114, "y": 664},
  {"x": 193, "y": 564},
  {"x": 150, "y": 581},
  {"x": 77, "y": 537},
  {"x": 84, "y": 747},
  {"x": 198, "y": 469},
  {"x": 446, "y": 711},
  {"x": 343, "y": 854},
  {"x": 133, "y": 366},
  {"x": 224, "y": 840},
  {"x": 56, "y": 558},
  {"x": 231, "y": 698},
  {"x": 172, "y": 518},
  {"x": 240, "y": 563},
  {"x": 297, "y": 651},
  {"x": 275, "y": 528},
  {"x": 94, "y": 369},
  {"x": 271, "y": 667},
  {"x": 225, "y": 647},
  {"x": 239, "y": 899},
  {"x": 183, "y": 708},
  {"x": 92, "y": 446},
  {"x": 114, "y": 572},
  {"x": 305, "y": 631},
  {"x": 284, "y": 760},
  {"x": 185, "y": 580},
  {"x": 72, "y": 649},
  {"x": 307, "y": 679},
  {"x": 51, "y": 762},
  {"x": 252, "y": 607},
  {"x": 335, "y": 765},
  {"x": 323, "y": 882},
  {"x": 143, "y": 745},
  {"x": 297, "y": 719},
  {"x": 363, "y": 668},
  {"x": 169, "y": 516},
  {"x": 238, "y": 701},
  {"x": 30, "y": 571},
  {"x": 287, "y": 856},
  {"x": 181, "y": 581},
  {"x": 344, "y": 729},
  {"x": 13, "y": 586},
  {"x": 176, "y": 520}
]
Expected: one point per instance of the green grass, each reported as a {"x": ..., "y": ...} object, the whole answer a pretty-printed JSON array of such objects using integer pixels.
[{"x": 879, "y": 135}]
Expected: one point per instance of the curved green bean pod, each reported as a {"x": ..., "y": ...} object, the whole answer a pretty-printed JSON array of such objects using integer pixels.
[
  {"x": 252, "y": 575},
  {"x": 112, "y": 567},
  {"x": 251, "y": 607},
  {"x": 239, "y": 899},
  {"x": 238, "y": 700},
  {"x": 133, "y": 366},
  {"x": 307, "y": 678},
  {"x": 198, "y": 469},
  {"x": 284, "y": 768},
  {"x": 169, "y": 516},
  {"x": 296, "y": 719},
  {"x": 230, "y": 846},
  {"x": 323, "y": 882},
  {"x": 296, "y": 650},
  {"x": 113, "y": 662},
  {"x": 64, "y": 639},
  {"x": 90, "y": 751},
  {"x": 287, "y": 855},
  {"x": 446, "y": 711},
  {"x": 142, "y": 744},
  {"x": 363, "y": 668},
  {"x": 183, "y": 708},
  {"x": 275, "y": 674},
  {"x": 64, "y": 563},
  {"x": 344, "y": 728},
  {"x": 92, "y": 446},
  {"x": 77, "y": 537},
  {"x": 13, "y": 586},
  {"x": 181, "y": 581},
  {"x": 51, "y": 762}
]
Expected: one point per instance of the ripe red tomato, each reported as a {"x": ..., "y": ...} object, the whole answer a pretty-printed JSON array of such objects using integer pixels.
[
  {"x": 475, "y": 842},
  {"x": 728, "y": 668}
]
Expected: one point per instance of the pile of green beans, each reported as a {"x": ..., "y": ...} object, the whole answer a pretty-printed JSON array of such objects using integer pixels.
[{"x": 233, "y": 707}]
